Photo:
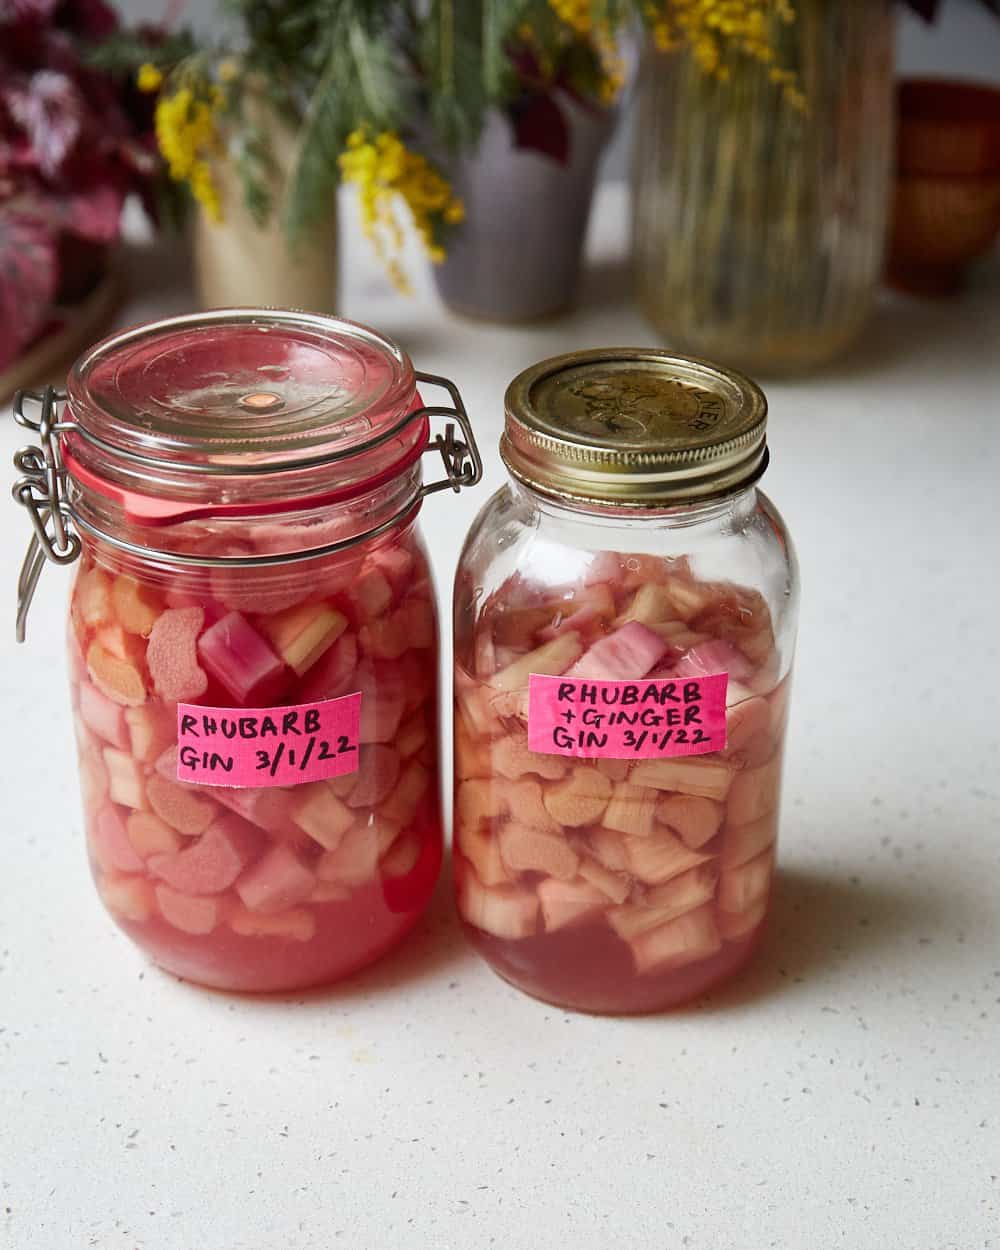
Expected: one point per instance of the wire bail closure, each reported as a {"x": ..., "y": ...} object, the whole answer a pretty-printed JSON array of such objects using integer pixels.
[{"x": 41, "y": 489}]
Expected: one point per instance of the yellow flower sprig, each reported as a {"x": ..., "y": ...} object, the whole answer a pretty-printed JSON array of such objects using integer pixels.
[
  {"x": 711, "y": 27},
  {"x": 187, "y": 133},
  {"x": 387, "y": 175},
  {"x": 577, "y": 15}
]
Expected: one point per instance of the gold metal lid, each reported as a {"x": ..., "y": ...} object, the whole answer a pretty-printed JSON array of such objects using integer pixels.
[{"x": 633, "y": 427}]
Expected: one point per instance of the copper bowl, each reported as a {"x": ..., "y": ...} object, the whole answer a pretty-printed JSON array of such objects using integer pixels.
[{"x": 947, "y": 194}]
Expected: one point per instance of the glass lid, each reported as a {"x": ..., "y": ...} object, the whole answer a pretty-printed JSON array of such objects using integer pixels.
[{"x": 242, "y": 384}]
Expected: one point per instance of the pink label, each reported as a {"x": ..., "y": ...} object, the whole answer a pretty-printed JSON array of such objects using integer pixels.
[
  {"x": 268, "y": 746},
  {"x": 627, "y": 720}
]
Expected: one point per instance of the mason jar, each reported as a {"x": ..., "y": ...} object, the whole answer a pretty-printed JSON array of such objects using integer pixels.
[
  {"x": 252, "y": 635},
  {"x": 625, "y": 612}
]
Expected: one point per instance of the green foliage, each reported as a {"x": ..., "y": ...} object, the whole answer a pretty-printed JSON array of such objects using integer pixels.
[
  {"x": 360, "y": 84},
  {"x": 123, "y": 51},
  {"x": 421, "y": 68},
  {"x": 451, "y": 53}
]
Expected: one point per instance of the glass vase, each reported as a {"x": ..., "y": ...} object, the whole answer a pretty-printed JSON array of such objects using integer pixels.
[{"x": 759, "y": 224}]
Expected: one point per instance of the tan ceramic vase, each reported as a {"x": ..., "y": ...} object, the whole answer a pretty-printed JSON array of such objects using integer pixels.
[{"x": 239, "y": 262}]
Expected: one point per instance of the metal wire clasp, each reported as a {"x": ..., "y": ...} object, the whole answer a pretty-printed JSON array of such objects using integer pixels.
[
  {"x": 41, "y": 489},
  {"x": 462, "y": 461}
]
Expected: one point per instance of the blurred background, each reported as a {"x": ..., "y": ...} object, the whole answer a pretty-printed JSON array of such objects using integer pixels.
[
  {"x": 964, "y": 42},
  {"x": 773, "y": 163}
]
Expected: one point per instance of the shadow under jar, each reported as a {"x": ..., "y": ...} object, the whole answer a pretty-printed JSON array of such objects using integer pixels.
[
  {"x": 625, "y": 614},
  {"x": 252, "y": 636}
]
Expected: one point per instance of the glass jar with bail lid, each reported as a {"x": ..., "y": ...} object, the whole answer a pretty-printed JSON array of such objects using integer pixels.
[
  {"x": 252, "y": 634},
  {"x": 624, "y": 627}
]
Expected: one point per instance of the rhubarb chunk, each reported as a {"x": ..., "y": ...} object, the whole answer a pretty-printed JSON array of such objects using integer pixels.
[
  {"x": 665, "y": 902},
  {"x": 568, "y": 902},
  {"x": 128, "y": 898},
  {"x": 580, "y": 799},
  {"x": 354, "y": 861},
  {"x": 512, "y": 759},
  {"x": 213, "y": 862},
  {"x": 126, "y": 782},
  {"x": 743, "y": 842},
  {"x": 301, "y": 635},
  {"x": 134, "y": 605},
  {"x": 686, "y": 940},
  {"x": 103, "y": 715},
  {"x": 615, "y": 886},
  {"x": 650, "y": 604},
  {"x": 659, "y": 857},
  {"x": 296, "y": 925},
  {"x": 549, "y": 660},
  {"x": 276, "y": 882},
  {"x": 372, "y": 595},
  {"x": 482, "y": 850},
  {"x": 632, "y": 809},
  {"x": 630, "y": 652},
  {"x": 119, "y": 679},
  {"x": 505, "y": 911},
  {"x": 412, "y": 735},
  {"x": 383, "y": 699},
  {"x": 695, "y": 819},
  {"x": 238, "y": 658},
  {"x": 181, "y": 807},
  {"x": 709, "y": 779},
  {"x": 332, "y": 675},
  {"x": 402, "y": 856},
  {"x": 184, "y": 912},
  {"x": 744, "y": 887},
  {"x": 92, "y": 596},
  {"x": 522, "y": 800},
  {"x": 172, "y": 655},
  {"x": 377, "y": 775},
  {"x": 754, "y": 793},
  {"x": 402, "y": 803},
  {"x": 318, "y": 811},
  {"x": 709, "y": 658},
  {"x": 152, "y": 729},
  {"x": 110, "y": 843},
  {"x": 477, "y": 802},
  {"x": 150, "y": 836},
  {"x": 529, "y": 850}
]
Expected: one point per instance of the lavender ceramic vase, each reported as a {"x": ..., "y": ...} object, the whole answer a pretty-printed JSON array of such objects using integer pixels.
[{"x": 517, "y": 255}]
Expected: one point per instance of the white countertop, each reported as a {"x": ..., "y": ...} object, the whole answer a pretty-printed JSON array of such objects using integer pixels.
[{"x": 844, "y": 1093}]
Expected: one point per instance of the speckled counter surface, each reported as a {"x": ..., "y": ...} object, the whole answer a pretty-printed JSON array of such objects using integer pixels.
[{"x": 844, "y": 1093}]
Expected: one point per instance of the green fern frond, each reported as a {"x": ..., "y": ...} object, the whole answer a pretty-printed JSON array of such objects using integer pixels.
[{"x": 451, "y": 52}]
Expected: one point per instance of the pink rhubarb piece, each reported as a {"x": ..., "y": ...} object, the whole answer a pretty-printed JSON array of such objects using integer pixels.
[
  {"x": 182, "y": 911},
  {"x": 172, "y": 655},
  {"x": 332, "y": 675},
  {"x": 212, "y": 863},
  {"x": 103, "y": 715},
  {"x": 242, "y": 661},
  {"x": 276, "y": 882},
  {"x": 628, "y": 653},
  {"x": 110, "y": 842}
]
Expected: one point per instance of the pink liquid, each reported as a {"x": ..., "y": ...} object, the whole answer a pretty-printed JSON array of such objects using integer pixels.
[
  {"x": 588, "y": 968},
  {"x": 306, "y": 883},
  {"x": 349, "y": 936},
  {"x": 616, "y": 884}
]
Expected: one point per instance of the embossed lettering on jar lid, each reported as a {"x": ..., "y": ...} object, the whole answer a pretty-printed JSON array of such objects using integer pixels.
[{"x": 634, "y": 427}]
